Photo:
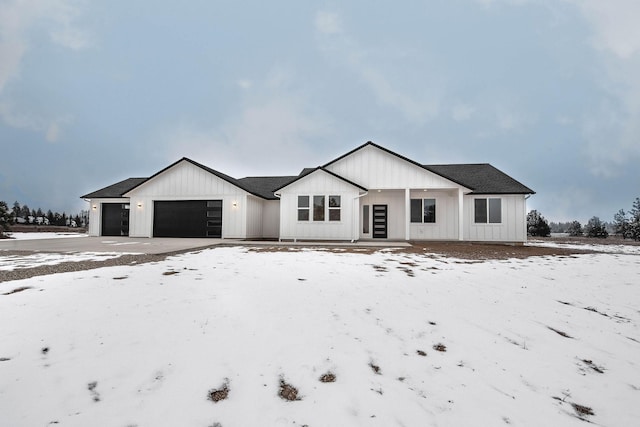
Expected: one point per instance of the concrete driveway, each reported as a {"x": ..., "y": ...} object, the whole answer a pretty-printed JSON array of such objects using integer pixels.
[{"x": 157, "y": 245}]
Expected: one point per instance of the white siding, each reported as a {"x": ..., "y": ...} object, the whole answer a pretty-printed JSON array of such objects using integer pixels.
[
  {"x": 318, "y": 183},
  {"x": 446, "y": 225},
  {"x": 376, "y": 169},
  {"x": 254, "y": 217},
  {"x": 95, "y": 215},
  {"x": 511, "y": 229},
  {"x": 270, "y": 219},
  {"x": 185, "y": 181}
]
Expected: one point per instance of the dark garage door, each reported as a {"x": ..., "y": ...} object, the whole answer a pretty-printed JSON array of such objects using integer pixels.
[
  {"x": 115, "y": 219},
  {"x": 187, "y": 218}
]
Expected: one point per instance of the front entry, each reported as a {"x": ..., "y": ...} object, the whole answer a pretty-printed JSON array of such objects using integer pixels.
[{"x": 379, "y": 221}]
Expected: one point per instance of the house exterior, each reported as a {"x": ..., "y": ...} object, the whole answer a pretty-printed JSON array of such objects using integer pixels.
[{"x": 367, "y": 193}]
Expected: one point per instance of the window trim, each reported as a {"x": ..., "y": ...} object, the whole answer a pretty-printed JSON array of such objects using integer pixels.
[
  {"x": 327, "y": 211},
  {"x": 489, "y": 212},
  {"x": 303, "y": 209},
  {"x": 321, "y": 215},
  {"x": 337, "y": 208},
  {"x": 422, "y": 212}
]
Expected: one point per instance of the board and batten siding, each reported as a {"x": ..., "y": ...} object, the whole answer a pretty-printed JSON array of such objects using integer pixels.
[
  {"x": 446, "y": 225},
  {"x": 254, "y": 217},
  {"x": 270, "y": 219},
  {"x": 318, "y": 183},
  {"x": 513, "y": 225},
  {"x": 374, "y": 168},
  {"x": 185, "y": 181}
]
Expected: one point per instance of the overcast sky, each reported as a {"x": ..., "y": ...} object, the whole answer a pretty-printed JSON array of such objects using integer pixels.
[{"x": 92, "y": 92}]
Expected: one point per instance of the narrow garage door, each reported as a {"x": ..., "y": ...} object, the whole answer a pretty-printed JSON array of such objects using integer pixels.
[
  {"x": 115, "y": 219},
  {"x": 187, "y": 218}
]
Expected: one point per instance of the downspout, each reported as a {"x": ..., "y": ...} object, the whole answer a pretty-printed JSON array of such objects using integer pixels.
[
  {"x": 279, "y": 234},
  {"x": 356, "y": 212},
  {"x": 525, "y": 218}
]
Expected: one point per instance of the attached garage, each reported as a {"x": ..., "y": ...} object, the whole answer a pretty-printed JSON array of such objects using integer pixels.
[
  {"x": 115, "y": 219},
  {"x": 187, "y": 218}
]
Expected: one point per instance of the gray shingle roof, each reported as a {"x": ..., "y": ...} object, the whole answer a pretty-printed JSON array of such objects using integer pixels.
[
  {"x": 482, "y": 178},
  {"x": 263, "y": 186},
  {"x": 115, "y": 190}
]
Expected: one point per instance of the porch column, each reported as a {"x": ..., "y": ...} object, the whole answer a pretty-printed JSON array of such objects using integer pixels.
[
  {"x": 407, "y": 214},
  {"x": 460, "y": 215}
]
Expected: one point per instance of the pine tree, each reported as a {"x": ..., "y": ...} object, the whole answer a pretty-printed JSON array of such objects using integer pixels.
[
  {"x": 595, "y": 228},
  {"x": 5, "y": 217},
  {"x": 25, "y": 212},
  {"x": 16, "y": 210},
  {"x": 634, "y": 220},
  {"x": 575, "y": 229},
  {"x": 621, "y": 224},
  {"x": 537, "y": 225}
]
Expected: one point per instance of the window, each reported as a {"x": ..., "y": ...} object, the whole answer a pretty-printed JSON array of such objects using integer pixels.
[
  {"x": 495, "y": 211},
  {"x": 303, "y": 208},
  {"x": 490, "y": 209},
  {"x": 365, "y": 219},
  {"x": 318, "y": 208},
  {"x": 423, "y": 210},
  {"x": 334, "y": 208}
]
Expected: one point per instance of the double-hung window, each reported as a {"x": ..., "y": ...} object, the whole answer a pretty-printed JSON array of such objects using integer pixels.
[
  {"x": 334, "y": 208},
  {"x": 423, "y": 211},
  {"x": 488, "y": 211},
  {"x": 303, "y": 208}
]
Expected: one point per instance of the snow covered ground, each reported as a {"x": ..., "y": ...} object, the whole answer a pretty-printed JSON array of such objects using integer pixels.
[
  {"x": 38, "y": 236},
  {"x": 30, "y": 260},
  {"x": 412, "y": 340},
  {"x": 606, "y": 248}
]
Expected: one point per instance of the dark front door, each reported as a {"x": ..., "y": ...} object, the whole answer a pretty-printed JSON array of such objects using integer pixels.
[
  {"x": 379, "y": 221},
  {"x": 115, "y": 219},
  {"x": 187, "y": 218}
]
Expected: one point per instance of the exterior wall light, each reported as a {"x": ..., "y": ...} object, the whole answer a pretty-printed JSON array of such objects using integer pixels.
[
  {"x": 139, "y": 204},
  {"x": 94, "y": 207},
  {"x": 235, "y": 204}
]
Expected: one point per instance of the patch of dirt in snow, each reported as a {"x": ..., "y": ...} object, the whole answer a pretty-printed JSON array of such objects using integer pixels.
[
  {"x": 329, "y": 377},
  {"x": 221, "y": 393},
  {"x": 288, "y": 392}
]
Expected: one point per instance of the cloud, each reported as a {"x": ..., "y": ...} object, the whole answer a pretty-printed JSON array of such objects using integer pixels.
[
  {"x": 276, "y": 129},
  {"x": 19, "y": 21},
  {"x": 51, "y": 128},
  {"x": 612, "y": 132},
  {"x": 462, "y": 112},
  {"x": 386, "y": 71},
  {"x": 328, "y": 23},
  {"x": 615, "y": 24},
  {"x": 244, "y": 84},
  {"x": 19, "y": 18}
]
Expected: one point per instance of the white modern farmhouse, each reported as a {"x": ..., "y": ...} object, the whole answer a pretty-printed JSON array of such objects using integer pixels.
[{"x": 368, "y": 193}]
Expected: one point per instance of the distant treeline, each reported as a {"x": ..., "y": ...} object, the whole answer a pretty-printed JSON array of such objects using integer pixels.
[
  {"x": 624, "y": 224},
  {"x": 22, "y": 214}
]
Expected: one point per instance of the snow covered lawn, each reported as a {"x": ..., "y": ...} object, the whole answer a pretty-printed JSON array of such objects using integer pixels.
[
  {"x": 30, "y": 260},
  {"x": 223, "y": 336},
  {"x": 43, "y": 235}
]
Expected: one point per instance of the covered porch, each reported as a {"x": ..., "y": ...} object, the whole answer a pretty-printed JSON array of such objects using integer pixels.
[{"x": 411, "y": 214}]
